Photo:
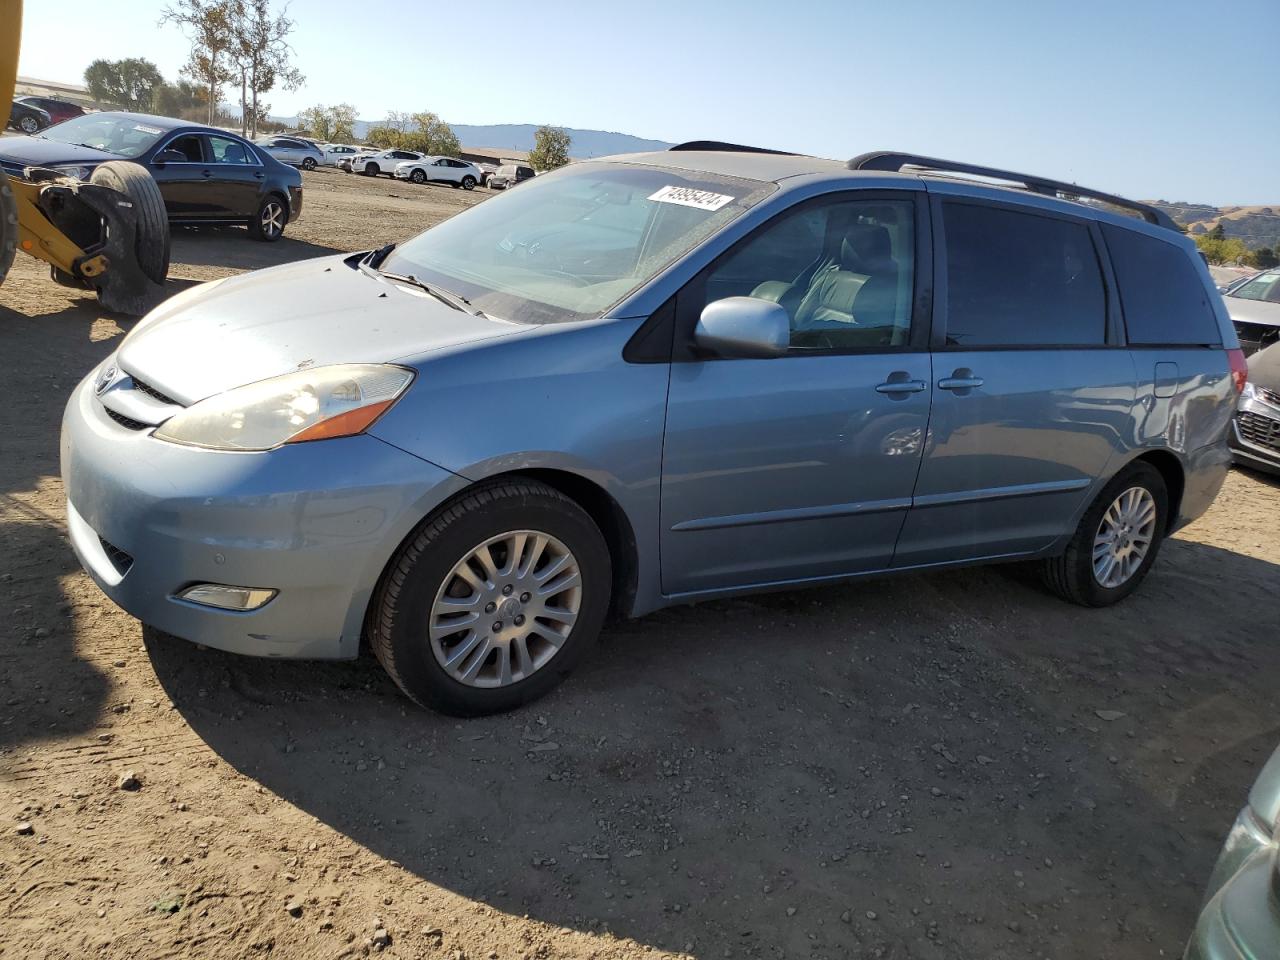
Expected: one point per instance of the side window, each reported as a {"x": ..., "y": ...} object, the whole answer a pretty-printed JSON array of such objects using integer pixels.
[
  {"x": 226, "y": 150},
  {"x": 1019, "y": 279},
  {"x": 190, "y": 147},
  {"x": 844, "y": 271},
  {"x": 1163, "y": 299}
]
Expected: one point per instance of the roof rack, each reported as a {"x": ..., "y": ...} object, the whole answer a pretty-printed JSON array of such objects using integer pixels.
[
  {"x": 718, "y": 146},
  {"x": 894, "y": 162}
]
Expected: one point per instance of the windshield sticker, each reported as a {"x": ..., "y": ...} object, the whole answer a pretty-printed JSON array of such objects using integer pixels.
[
  {"x": 688, "y": 197},
  {"x": 144, "y": 129}
]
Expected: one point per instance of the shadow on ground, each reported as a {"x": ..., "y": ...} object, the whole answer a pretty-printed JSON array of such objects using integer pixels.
[
  {"x": 234, "y": 249},
  {"x": 902, "y": 768}
]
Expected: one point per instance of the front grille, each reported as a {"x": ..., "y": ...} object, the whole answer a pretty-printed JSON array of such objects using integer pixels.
[
  {"x": 151, "y": 391},
  {"x": 1259, "y": 430},
  {"x": 119, "y": 559},
  {"x": 127, "y": 422}
]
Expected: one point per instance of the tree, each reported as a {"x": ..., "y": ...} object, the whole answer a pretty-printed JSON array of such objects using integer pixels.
[
  {"x": 343, "y": 123},
  {"x": 182, "y": 99},
  {"x": 550, "y": 148},
  {"x": 208, "y": 25},
  {"x": 318, "y": 122},
  {"x": 1264, "y": 258},
  {"x": 1218, "y": 232},
  {"x": 383, "y": 137},
  {"x": 125, "y": 83},
  {"x": 433, "y": 136},
  {"x": 1216, "y": 250},
  {"x": 261, "y": 53}
]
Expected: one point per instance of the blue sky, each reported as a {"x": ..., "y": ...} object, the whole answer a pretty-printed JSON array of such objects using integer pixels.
[{"x": 1170, "y": 100}]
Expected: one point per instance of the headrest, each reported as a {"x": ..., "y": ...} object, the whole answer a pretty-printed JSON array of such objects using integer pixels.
[{"x": 865, "y": 246}]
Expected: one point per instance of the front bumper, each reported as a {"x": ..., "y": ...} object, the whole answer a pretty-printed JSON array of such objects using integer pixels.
[
  {"x": 1242, "y": 922},
  {"x": 316, "y": 521},
  {"x": 1255, "y": 436},
  {"x": 295, "y": 203}
]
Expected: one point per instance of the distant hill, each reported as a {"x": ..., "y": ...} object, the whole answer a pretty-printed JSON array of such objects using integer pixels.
[
  {"x": 519, "y": 136},
  {"x": 1257, "y": 226}
]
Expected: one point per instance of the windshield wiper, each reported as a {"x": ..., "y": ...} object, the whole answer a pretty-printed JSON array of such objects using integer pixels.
[
  {"x": 375, "y": 257},
  {"x": 455, "y": 300}
]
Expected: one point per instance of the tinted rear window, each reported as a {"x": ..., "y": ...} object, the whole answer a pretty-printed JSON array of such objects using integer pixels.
[
  {"x": 1163, "y": 299},
  {"x": 1019, "y": 279}
]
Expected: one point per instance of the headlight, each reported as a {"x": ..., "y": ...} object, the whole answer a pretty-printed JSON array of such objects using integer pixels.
[
  {"x": 316, "y": 404},
  {"x": 74, "y": 170}
]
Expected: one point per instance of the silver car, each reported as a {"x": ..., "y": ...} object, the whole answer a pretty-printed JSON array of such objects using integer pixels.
[
  {"x": 647, "y": 381},
  {"x": 1254, "y": 307},
  {"x": 1255, "y": 434},
  {"x": 1239, "y": 919},
  {"x": 294, "y": 151}
]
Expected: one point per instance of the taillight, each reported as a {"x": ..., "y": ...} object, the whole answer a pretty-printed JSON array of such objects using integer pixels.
[{"x": 1239, "y": 369}]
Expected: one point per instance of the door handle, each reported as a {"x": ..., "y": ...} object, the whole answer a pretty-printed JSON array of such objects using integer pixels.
[
  {"x": 962, "y": 380},
  {"x": 206, "y": 173},
  {"x": 902, "y": 386},
  {"x": 259, "y": 176}
]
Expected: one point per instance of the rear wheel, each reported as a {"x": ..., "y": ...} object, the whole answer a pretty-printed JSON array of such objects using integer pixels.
[
  {"x": 1116, "y": 542},
  {"x": 269, "y": 222},
  {"x": 136, "y": 183},
  {"x": 418, "y": 176},
  {"x": 468, "y": 182},
  {"x": 494, "y": 599},
  {"x": 8, "y": 226}
]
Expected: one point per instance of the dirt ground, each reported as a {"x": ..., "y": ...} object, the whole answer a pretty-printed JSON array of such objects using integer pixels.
[{"x": 945, "y": 766}]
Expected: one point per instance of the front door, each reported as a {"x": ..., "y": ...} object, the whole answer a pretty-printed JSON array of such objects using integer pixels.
[
  {"x": 182, "y": 182},
  {"x": 802, "y": 466},
  {"x": 1033, "y": 388}
]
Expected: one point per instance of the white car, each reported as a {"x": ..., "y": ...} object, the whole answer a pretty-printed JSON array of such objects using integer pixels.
[
  {"x": 460, "y": 173},
  {"x": 336, "y": 152},
  {"x": 384, "y": 161}
]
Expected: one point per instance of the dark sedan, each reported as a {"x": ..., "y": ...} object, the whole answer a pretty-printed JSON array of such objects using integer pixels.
[
  {"x": 206, "y": 175},
  {"x": 58, "y": 110},
  {"x": 28, "y": 118}
]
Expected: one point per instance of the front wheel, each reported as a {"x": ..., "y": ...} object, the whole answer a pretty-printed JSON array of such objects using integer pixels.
[
  {"x": 269, "y": 222},
  {"x": 371, "y": 170},
  {"x": 494, "y": 599},
  {"x": 1116, "y": 542},
  {"x": 28, "y": 125},
  {"x": 308, "y": 163},
  {"x": 418, "y": 176},
  {"x": 468, "y": 182}
]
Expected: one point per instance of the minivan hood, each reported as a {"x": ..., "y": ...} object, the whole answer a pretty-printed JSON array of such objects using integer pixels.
[
  {"x": 41, "y": 152},
  {"x": 1253, "y": 311},
  {"x": 270, "y": 322}
]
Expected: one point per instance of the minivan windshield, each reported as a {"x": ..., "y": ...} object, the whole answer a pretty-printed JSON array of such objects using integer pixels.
[
  {"x": 1265, "y": 286},
  {"x": 124, "y": 136},
  {"x": 569, "y": 245}
]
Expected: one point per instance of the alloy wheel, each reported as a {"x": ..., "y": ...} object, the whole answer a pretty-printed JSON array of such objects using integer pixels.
[
  {"x": 29, "y": 125},
  {"x": 272, "y": 219},
  {"x": 1124, "y": 537},
  {"x": 505, "y": 609}
]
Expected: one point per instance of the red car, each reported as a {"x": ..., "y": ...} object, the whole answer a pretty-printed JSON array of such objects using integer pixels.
[{"x": 58, "y": 110}]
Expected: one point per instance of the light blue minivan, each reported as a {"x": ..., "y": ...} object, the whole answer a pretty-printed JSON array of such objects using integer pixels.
[{"x": 646, "y": 381}]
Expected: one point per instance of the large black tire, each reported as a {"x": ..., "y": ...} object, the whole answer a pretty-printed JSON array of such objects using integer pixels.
[
  {"x": 272, "y": 217},
  {"x": 401, "y": 609},
  {"x": 8, "y": 226},
  {"x": 468, "y": 182},
  {"x": 308, "y": 163},
  {"x": 1071, "y": 575},
  {"x": 419, "y": 175},
  {"x": 133, "y": 180},
  {"x": 372, "y": 169}
]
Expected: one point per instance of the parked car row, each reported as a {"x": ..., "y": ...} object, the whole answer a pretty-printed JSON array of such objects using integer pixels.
[{"x": 206, "y": 175}]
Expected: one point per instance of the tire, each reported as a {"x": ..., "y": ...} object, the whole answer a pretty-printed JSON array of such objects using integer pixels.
[
  {"x": 272, "y": 217},
  {"x": 8, "y": 226},
  {"x": 418, "y": 176},
  {"x": 468, "y": 182},
  {"x": 308, "y": 163},
  {"x": 136, "y": 183},
  {"x": 372, "y": 170},
  {"x": 424, "y": 569},
  {"x": 29, "y": 125},
  {"x": 1073, "y": 575}
]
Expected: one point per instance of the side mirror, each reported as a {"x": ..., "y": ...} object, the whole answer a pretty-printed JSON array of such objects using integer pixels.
[
  {"x": 743, "y": 327},
  {"x": 169, "y": 156}
]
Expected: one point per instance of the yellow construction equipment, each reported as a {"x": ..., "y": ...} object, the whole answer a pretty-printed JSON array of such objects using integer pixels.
[{"x": 109, "y": 234}]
